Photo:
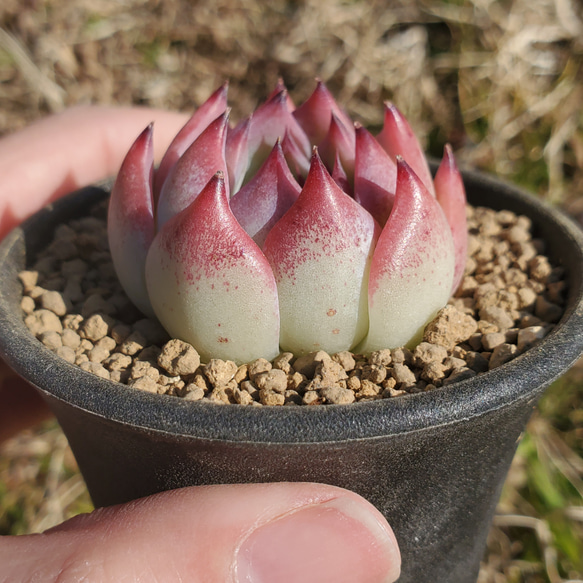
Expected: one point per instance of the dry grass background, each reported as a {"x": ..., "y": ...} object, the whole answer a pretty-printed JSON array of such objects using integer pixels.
[{"x": 502, "y": 81}]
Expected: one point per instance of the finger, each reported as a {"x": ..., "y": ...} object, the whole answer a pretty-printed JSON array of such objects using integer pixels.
[
  {"x": 284, "y": 533},
  {"x": 61, "y": 153}
]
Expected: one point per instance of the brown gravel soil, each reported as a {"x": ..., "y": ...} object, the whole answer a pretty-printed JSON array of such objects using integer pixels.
[{"x": 510, "y": 298}]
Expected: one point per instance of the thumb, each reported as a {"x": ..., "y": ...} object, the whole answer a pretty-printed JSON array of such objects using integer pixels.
[{"x": 257, "y": 533}]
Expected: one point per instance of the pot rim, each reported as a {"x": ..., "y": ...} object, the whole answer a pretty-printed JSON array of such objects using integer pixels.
[{"x": 524, "y": 377}]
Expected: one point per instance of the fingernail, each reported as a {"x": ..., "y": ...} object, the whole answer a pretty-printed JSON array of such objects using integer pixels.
[{"x": 342, "y": 540}]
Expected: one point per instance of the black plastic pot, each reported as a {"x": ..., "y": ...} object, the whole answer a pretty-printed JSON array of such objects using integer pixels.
[{"x": 433, "y": 463}]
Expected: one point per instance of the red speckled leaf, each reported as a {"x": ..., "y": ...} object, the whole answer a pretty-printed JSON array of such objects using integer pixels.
[
  {"x": 320, "y": 251},
  {"x": 265, "y": 199},
  {"x": 412, "y": 268},
  {"x": 209, "y": 283}
]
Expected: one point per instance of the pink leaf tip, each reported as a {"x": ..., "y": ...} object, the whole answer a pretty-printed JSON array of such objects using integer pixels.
[
  {"x": 451, "y": 195},
  {"x": 397, "y": 138},
  {"x": 194, "y": 169},
  {"x": 131, "y": 219}
]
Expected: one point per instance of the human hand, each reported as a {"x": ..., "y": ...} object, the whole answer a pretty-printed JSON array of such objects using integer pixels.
[
  {"x": 48, "y": 159},
  {"x": 255, "y": 533}
]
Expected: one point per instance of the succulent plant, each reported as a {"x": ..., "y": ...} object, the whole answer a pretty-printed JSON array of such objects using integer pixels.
[{"x": 295, "y": 230}]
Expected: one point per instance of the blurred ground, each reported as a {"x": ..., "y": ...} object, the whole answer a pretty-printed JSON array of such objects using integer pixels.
[{"x": 501, "y": 80}]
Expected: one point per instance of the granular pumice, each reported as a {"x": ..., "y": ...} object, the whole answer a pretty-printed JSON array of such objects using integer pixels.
[{"x": 510, "y": 298}]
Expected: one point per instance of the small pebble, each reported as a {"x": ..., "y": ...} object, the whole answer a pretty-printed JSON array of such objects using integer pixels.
[
  {"x": 502, "y": 354},
  {"x": 283, "y": 362},
  {"x": 403, "y": 375},
  {"x": 493, "y": 339},
  {"x": 450, "y": 327},
  {"x": 95, "y": 368},
  {"x": 43, "y": 321},
  {"x": 143, "y": 368},
  {"x": 66, "y": 353},
  {"x": 220, "y": 372},
  {"x": 529, "y": 336},
  {"x": 380, "y": 357},
  {"x": 94, "y": 328},
  {"x": 133, "y": 344},
  {"x": 329, "y": 372},
  {"x": 338, "y": 395},
  {"x": 374, "y": 373},
  {"x": 346, "y": 360},
  {"x": 240, "y": 396},
  {"x": 547, "y": 311},
  {"x": 145, "y": 384},
  {"x": 179, "y": 358},
  {"x": 307, "y": 364},
  {"x": 196, "y": 394},
  {"x": 270, "y": 397},
  {"x": 51, "y": 339},
  {"x": 53, "y": 301},
  {"x": 274, "y": 380},
  {"x": 258, "y": 366},
  {"x": 497, "y": 316},
  {"x": 27, "y": 305},
  {"x": 29, "y": 280},
  {"x": 221, "y": 395},
  {"x": 426, "y": 353},
  {"x": 117, "y": 361},
  {"x": 70, "y": 338}
]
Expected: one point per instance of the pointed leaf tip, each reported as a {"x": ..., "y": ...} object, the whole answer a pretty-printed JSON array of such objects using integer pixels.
[
  {"x": 279, "y": 87},
  {"x": 375, "y": 176},
  {"x": 193, "y": 170},
  {"x": 340, "y": 139},
  {"x": 315, "y": 114},
  {"x": 130, "y": 221},
  {"x": 397, "y": 138},
  {"x": 266, "y": 197},
  {"x": 451, "y": 195},
  {"x": 271, "y": 120},
  {"x": 214, "y": 106}
]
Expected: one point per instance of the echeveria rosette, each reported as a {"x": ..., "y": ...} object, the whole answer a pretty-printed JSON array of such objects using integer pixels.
[{"x": 243, "y": 243}]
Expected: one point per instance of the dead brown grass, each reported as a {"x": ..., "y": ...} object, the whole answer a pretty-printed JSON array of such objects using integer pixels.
[{"x": 501, "y": 81}]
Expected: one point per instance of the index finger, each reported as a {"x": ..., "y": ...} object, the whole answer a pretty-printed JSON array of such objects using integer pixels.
[{"x": 64, "y": 152}]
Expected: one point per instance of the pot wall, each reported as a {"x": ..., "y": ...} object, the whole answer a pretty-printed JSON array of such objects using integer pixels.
[{"x": 438, "y": 487}]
